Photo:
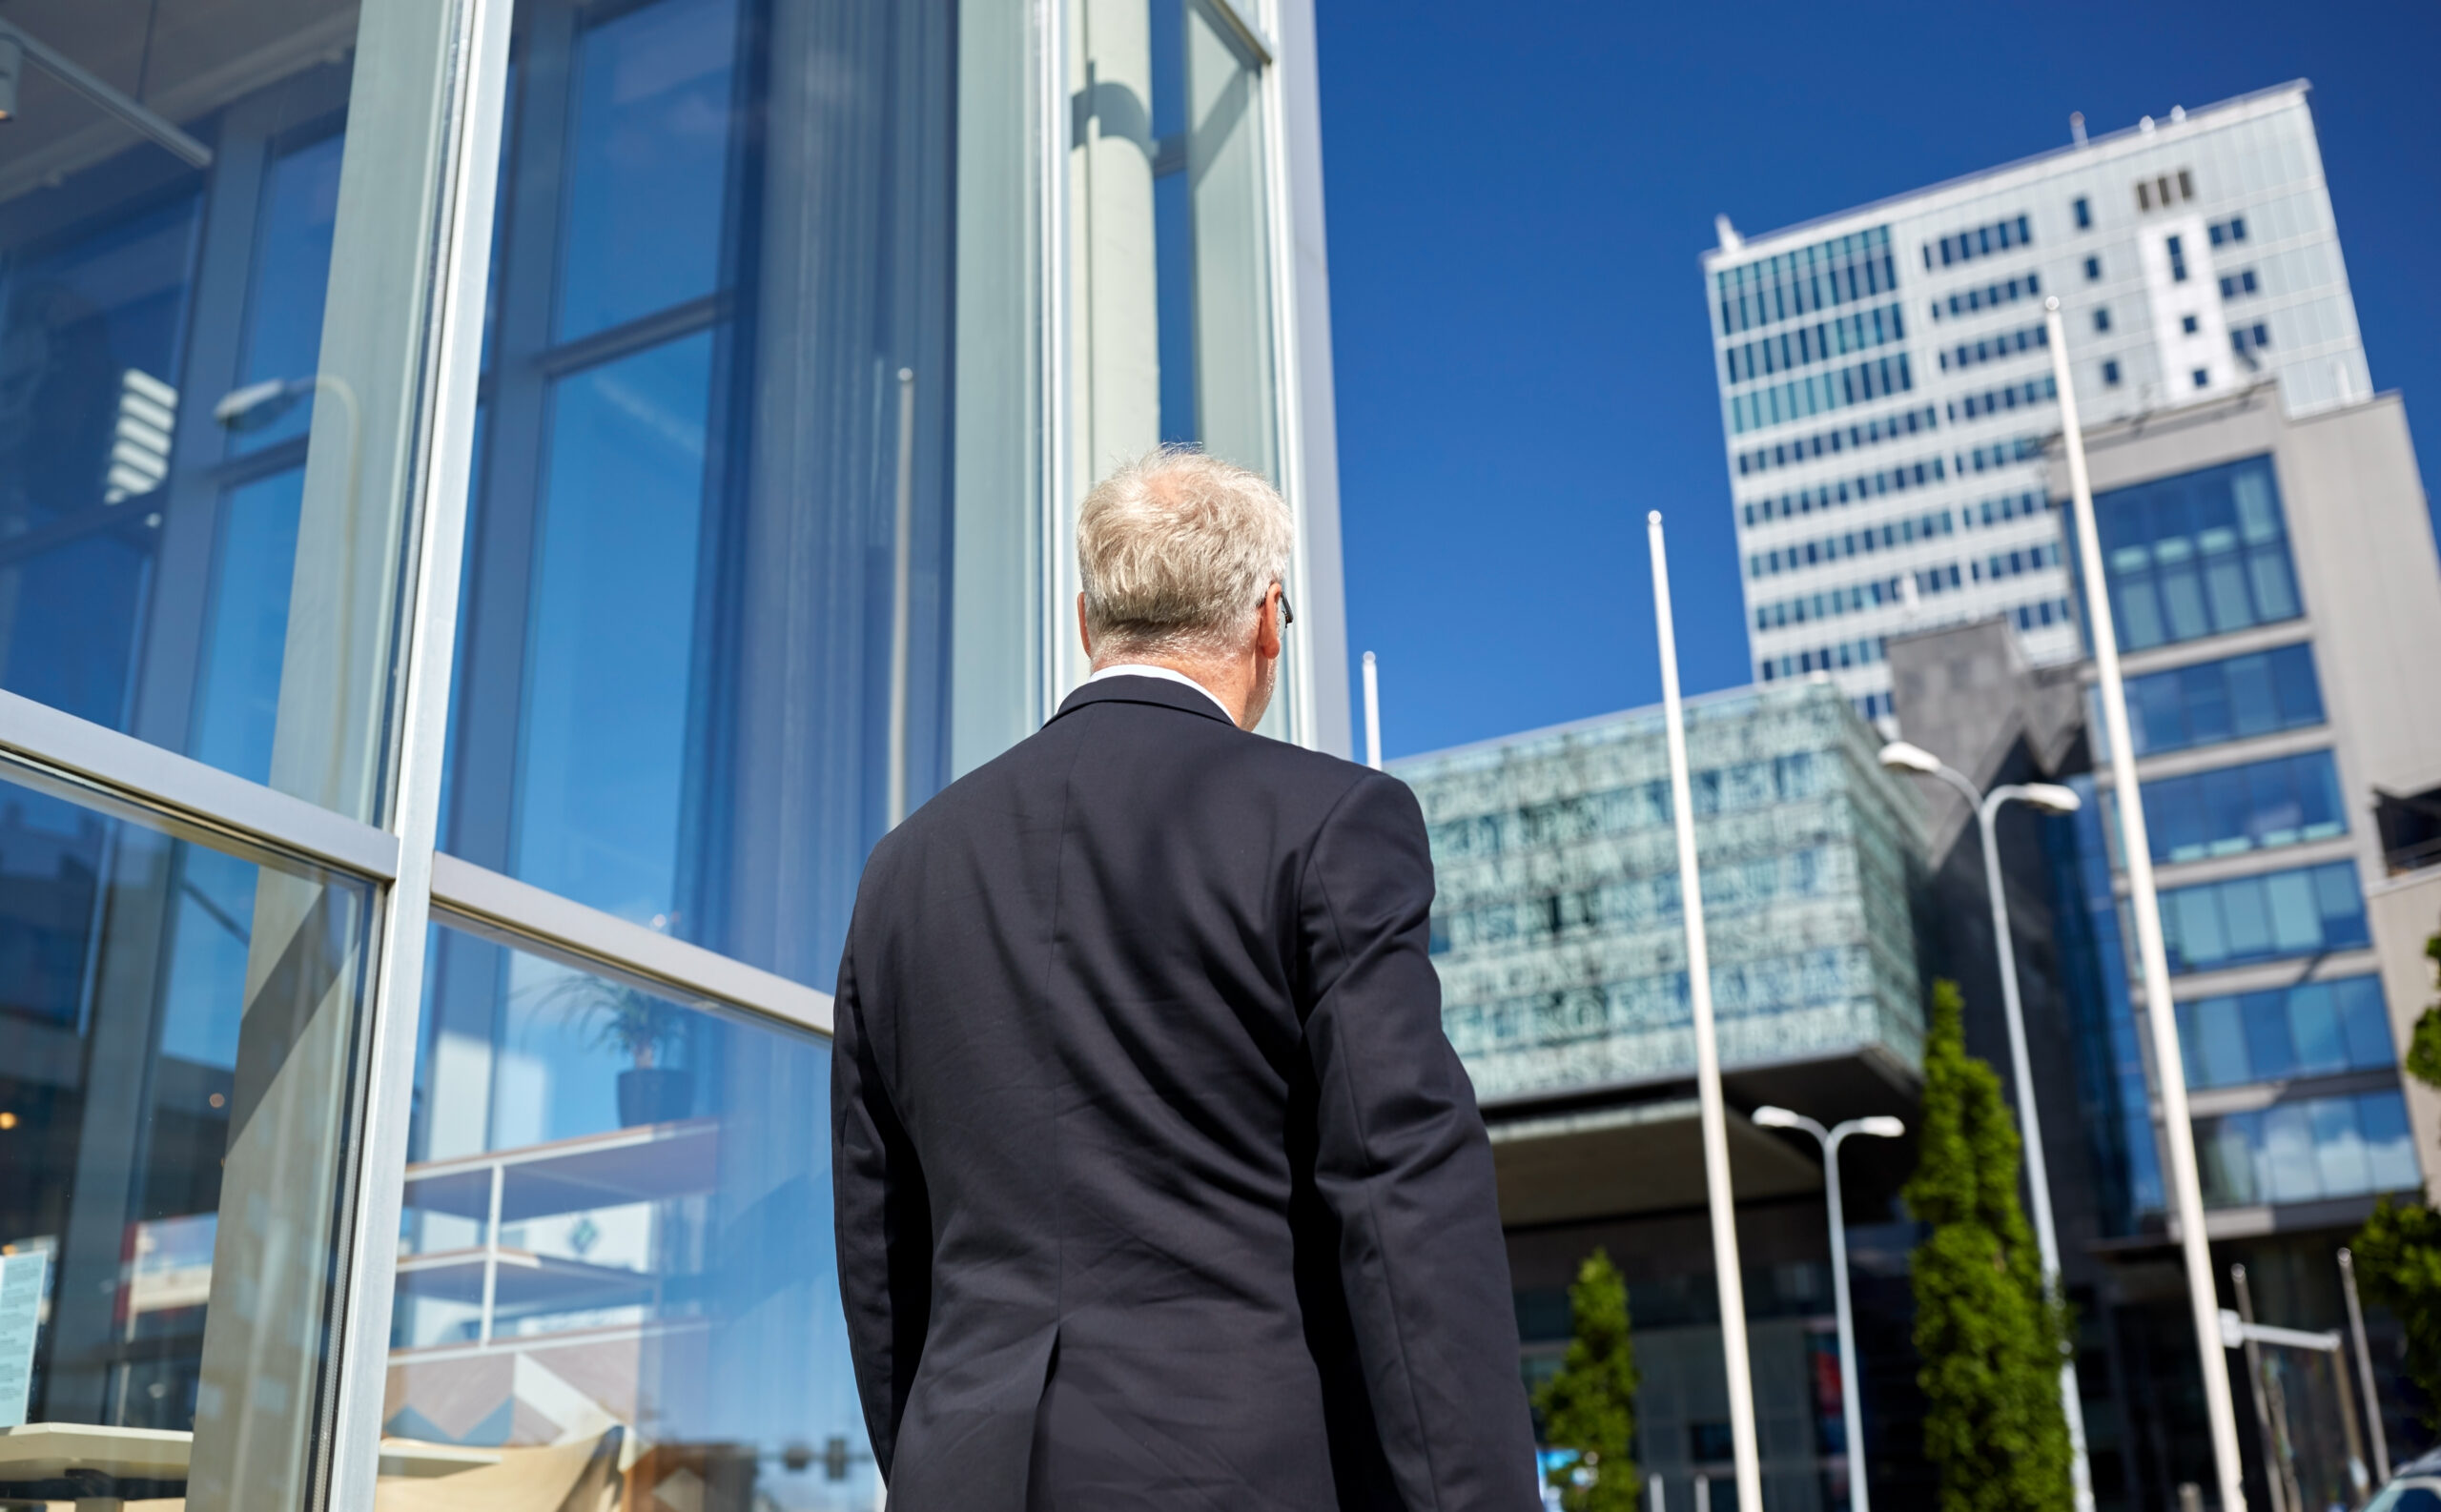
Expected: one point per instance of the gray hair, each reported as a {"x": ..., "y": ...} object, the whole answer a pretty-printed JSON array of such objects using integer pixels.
[{"x": 1176, "y": 551}]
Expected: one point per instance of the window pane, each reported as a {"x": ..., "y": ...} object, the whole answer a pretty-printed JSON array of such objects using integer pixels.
[
  {"x": 2226, "y": 1161},
  {"x": 2315, "y": 1021},
  {"x": 649, "y": 147},
  {"x": 2364, "y": 1021},
  {"x": 683, "y": 689},
  {"x": 2390, "y": 1148},
  {"x": 246, "y": 631},
  {"x": 2295, "y": 924},
  {"x": 2300, "y": 695},
  {"x": 2342, "y": 904},
  {"x": 657, "y": 1289},
  {"x": 2285, "y": 1161},
  {"x": 154, "y": 380},
  {"x": 2211, "y": 543},
  {"x": 178, "y": 1034},
  {"x": 2230, "y": 1055},
  {"x": 2271, "y": 1050},
  {"x": 612, "y": 619},
  {"x": 2340, "y": 1154},
  {"x": 2251, "y": 709},
  {"x": 284, "y": 308}
]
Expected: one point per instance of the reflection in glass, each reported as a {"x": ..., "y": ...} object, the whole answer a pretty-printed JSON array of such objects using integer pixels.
[
  {"x": 2203, "y": 553},
  {"x": 245, "y": 633},
  {"x": 611, "y": 629},
  {"x": 740, "y": 291},
  {"x": 2308, "y": 1150},
  {"x": 615, "y": 1246},
  {"x": 163, "y": 346},
  {"x": 648, "y": 171},
  {"x": 2302, "y": 912},
  {"x": 284, "y": 308},
  {"x": 177, "y": 1041},
  {"x": 2313, "y": 1029},
  {"x": 1173, "y": 340}
]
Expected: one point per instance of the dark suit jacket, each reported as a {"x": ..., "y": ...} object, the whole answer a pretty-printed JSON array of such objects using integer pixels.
[{"x": 1158, "y": 1185}]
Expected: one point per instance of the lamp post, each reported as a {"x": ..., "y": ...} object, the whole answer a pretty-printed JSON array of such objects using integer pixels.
[
  {"x": 2145, "y": 912},
  {"x": 2051, "y": 799},
  {"x": 1851, "y": 1406}
]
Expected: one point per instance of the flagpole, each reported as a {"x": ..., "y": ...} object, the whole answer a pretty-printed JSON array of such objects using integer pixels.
[
  {"x": 1714, "y": 1115},
  {"x": 2143, "y": 905},
  {"x": 1372, "y": 714}
]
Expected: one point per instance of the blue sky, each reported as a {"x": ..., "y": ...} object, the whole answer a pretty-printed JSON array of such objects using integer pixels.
[{"x": 1518, "y": 195}]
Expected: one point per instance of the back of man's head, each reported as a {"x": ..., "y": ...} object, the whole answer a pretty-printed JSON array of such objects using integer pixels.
[{"x": 1176, "y": 551}]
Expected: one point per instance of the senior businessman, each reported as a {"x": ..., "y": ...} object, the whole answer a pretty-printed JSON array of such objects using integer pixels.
[{"x": 1157, "y": 1184}]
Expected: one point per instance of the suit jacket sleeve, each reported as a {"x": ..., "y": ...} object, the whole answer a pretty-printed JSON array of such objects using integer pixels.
[
  {"x": 1402, "y": 1162},
  {"x": 883, "y": 1217}
]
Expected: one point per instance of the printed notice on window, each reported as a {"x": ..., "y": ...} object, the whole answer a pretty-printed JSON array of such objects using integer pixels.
[{"x": 20, "y": 1313}]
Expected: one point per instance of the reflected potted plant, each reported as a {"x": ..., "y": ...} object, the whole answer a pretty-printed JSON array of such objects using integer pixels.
[{"x": 643, "y": 1027}]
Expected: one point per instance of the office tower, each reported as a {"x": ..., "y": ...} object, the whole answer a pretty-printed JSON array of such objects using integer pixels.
[
  {"x": 2274, "y": 584},
  {"x": 1886, "y": 383}
]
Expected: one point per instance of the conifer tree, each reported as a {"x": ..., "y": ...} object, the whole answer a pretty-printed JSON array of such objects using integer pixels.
[
  {"x": 1988, "y": 1332},
  {"x": 1590, "y": 1405}
]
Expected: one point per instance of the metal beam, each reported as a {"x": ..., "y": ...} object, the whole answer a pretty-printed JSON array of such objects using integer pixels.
[
  {"x": 518, "y": 912},
  {"x": 126, "y": 107},
  {"x": 186, "y": 789}
]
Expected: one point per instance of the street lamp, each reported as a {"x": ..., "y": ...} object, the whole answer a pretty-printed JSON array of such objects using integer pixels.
[
  {"x": 1850, "y": 1406},
  {"x": 2052, "y": 799}
]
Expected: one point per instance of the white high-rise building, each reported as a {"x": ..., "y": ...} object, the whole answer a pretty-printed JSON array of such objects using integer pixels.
[{"x": 1885, "y": 378}]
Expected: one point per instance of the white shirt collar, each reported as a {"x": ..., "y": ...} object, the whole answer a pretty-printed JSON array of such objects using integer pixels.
[{"x": 1145, "y": 669}]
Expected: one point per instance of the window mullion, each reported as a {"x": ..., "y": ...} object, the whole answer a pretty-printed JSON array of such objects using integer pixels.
[{"x": 430, "y": 620}]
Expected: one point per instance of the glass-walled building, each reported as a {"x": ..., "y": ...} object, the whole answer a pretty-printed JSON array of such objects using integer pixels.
[
  {"x": 1559, "y": 934},
  {"x": 501, "y": 503}
]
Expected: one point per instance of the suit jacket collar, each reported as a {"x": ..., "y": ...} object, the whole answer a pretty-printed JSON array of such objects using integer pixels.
[{"x": 1144, "y": 690}]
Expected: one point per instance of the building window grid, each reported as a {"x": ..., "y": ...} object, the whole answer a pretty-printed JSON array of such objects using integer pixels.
[
  {"x": 2203, "y": 553},
  {"x": 1802, "y": 501},
  {"x": 1886, "y": 537},
  {"x": 2311, "y": 1029},
  {"x": 2238, "y": 284},
  {"x": 2312, "y": 1150},
  {"x": 1819, "y": 393},
  {"x": 1995, "y": 348},
  {"x": 2004, "y": 564},
  {"x": 2265, "y": 916},
  {"x": 1972, "y": 301},
  {"x": 2000, "y": 454},
  {"x": 1837, "y": 439},
  {"x": 1982, "y": 241},
  {"x": 2016, "y": 396},
  {"x": 2255, "y": 806},
  {"x": 1845, "y": 270},
  {"x": 1803, "y": 346},
  {"x": 2232, "y": 697},
  {"x": 1856, "y": 598}
]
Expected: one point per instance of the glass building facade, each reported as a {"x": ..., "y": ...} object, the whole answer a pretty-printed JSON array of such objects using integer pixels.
[
  {"x": 1558, "y": 928},
  {"x": 501, "y": 503},
  {"x": 2285, "y": 1036}
]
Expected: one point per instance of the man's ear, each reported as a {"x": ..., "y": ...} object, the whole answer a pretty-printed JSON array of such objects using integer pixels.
[
  {"x": 1267, "y": 642},
  {"x": 1084, "y": 632}
]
